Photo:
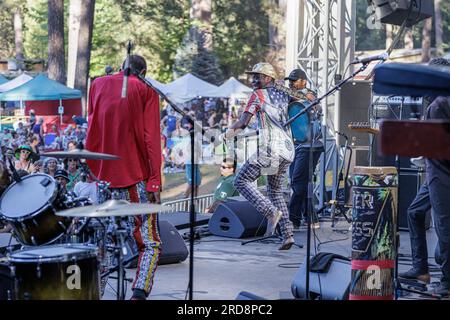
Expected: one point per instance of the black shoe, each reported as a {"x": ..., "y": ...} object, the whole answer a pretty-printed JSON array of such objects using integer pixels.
[
  {"x": 139, "y": 294},
  {"x": 415, "y": 274}
]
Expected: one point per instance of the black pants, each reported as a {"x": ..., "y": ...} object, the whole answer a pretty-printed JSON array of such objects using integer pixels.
[
  {"x": 299, "y": 174},
  {"x": 439, "y": 197},
  {"x": 417, "y": 232}
]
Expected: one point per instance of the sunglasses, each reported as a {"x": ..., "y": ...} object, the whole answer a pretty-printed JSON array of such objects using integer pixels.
[
  {"x": 72, "y": 160},
  {"x": 24, "y": 151},
  {"x": 225, "y": 167}
]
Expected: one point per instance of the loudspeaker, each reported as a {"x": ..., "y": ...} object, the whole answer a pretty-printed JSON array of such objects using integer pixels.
[
  {"x": 173, "y": 247},
  {"x": 409, "y": 185},
  {"x": 332, "y": 285},
  {"x": 396, "y": 11},
  {"x": 355, "y": 98},
  {"x": 244, "y": 295},
  {"x": 237, "y": 219}
]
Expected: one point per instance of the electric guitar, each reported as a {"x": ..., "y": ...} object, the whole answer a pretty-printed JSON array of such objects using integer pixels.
[{"x": 363, "y": 127}]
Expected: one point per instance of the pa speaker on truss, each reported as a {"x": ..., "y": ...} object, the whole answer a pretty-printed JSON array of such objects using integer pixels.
[{"x": 397, "y": 11}]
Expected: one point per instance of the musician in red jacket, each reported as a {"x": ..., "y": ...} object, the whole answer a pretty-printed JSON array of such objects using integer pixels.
[{"x": 130, "y": 128}]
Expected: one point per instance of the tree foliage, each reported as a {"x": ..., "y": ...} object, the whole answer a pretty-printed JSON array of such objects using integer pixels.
[{"x": 240, "y": 33}]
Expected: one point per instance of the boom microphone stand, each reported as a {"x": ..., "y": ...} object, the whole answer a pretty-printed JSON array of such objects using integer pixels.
[
  {"x": 192, "y": 217},
  {"x": 310, "y": 209}
]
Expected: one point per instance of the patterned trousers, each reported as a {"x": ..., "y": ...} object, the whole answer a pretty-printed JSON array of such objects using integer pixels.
[
  {"x": 275, "y": 170},
  {"x": 146, "y": 233}
]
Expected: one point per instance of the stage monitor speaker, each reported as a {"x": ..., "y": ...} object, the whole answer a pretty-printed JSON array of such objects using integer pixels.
[
  {"x": 354, "y": 101},
  {"x": 237, "y": 219},
  {"x": 173, "y": 247},
  {"x": 332, "y": 285},
  {"x": 397, "y": 11},
  {"x": 409, "y": 185}
]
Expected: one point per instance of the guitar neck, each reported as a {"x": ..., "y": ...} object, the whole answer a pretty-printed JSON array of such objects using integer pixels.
[{"x": 363, "y": 127}]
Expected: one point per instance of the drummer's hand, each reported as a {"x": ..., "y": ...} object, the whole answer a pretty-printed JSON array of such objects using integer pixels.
[
  {"x": 154, "y": 197},
  {"x": 310, "y": 96}
]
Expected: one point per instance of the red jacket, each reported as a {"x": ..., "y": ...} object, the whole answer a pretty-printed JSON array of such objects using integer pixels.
[{"x": 128, "y": 128}]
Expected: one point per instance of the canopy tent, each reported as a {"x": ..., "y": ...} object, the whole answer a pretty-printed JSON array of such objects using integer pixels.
[
  {"x": 158, "y": 85},
  {"x": 189, "y": 87},
  {"x": 40, "y": 88},
  {"x": 232, "y": 87},
  {"x": 45, "y": 96},
  {"x": 14, "y": 83},
  {"x": 3, "y": 80}
]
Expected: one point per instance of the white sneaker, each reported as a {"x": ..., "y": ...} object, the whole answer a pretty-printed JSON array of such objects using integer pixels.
[{"x": 272, "y": 223}]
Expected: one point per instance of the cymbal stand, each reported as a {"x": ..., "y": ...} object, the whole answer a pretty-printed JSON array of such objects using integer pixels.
[{"x": 120, "y": 251}]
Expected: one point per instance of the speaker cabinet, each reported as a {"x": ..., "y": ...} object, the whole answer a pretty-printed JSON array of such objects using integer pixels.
[
  {"x": 397, "y": 11},
  {"x": 355, "y": 98},
  {"x": 173, "y": 247},
  {"x": 332, "y": 285},
  {"x": 237, "y": 219}
]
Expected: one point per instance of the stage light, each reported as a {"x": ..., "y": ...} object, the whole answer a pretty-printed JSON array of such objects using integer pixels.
[{"x": 397, "y": 11}]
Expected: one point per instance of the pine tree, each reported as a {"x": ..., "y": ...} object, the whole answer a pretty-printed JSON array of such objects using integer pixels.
[{"x": 193, "y": 57}]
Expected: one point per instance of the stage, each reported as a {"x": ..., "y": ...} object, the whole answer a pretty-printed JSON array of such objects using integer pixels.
[{"x": 223, "y": 267}]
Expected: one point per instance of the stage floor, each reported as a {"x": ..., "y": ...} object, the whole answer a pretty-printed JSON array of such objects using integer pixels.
[{"x": 223, "y": 267}]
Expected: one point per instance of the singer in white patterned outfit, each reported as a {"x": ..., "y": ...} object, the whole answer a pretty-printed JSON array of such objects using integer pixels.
[{"x": 275, "y": 151}]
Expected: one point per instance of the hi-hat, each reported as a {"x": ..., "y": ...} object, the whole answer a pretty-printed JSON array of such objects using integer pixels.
[
  {"x": 80, "y": 154},
  {"x": 117, "y": 208}
]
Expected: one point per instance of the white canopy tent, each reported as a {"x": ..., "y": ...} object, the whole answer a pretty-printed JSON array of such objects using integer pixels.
[
  {"x": 189, "y": 87},
  {"x": 233, "y": 87},
  {"x": 16, "y": 82}
]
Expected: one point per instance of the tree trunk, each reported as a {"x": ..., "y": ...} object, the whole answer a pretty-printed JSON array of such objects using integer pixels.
[
  {"x": 56, "y": 59},
  {"x": 438, "y": 27},
  {"x": 409, "y": 39},
  {"x": 74, "y": 29},
  {"x": 201, "y": 11},
  {"x": 18, "y": 35},
  {"x": 84, "y": 48},
  {"x": 426, "y": 40}
]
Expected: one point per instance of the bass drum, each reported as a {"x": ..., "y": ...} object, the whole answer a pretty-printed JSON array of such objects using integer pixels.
[
  {"x": 300, "y": 127},
  {"x": 30, "y": 206},
  {"x": 57, "y": 272}
]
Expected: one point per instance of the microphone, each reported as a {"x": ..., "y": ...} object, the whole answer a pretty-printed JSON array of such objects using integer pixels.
[
  {"x": 126, "y": 72},
  {"x": 384, "y": 56}
]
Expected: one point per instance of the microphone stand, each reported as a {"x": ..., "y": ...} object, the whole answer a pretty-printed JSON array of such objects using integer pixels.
[
  {"x": 310, "y": 208},
  {"x": 192, "y": 217}
]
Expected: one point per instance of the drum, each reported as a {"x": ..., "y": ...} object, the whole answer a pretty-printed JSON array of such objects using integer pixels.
[
  {"x": 373, "y": 233},
  {"x": 30, "y": 206},
  {"x": 300, "y": 127},
  {"x": 56, "y": 272}
]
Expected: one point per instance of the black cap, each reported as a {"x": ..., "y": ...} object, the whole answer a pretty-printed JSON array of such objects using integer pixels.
[
  {"x": 62, "y": 173},
  {"x": 296, "y": 74}
]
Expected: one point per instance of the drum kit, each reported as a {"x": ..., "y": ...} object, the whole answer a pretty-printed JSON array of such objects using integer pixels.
[{"x": 68, "y": 245}]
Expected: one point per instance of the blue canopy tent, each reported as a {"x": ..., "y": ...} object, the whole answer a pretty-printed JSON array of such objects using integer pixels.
[
  {"x": 3, "y": 80},
  {"x": 46, "y": 91}
]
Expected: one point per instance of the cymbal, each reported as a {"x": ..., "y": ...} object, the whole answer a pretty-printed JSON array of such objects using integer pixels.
[
  {"x": 117, "y": 208},
  {"x": 80, "y": 154}
]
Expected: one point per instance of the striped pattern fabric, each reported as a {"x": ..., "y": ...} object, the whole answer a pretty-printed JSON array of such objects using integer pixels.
[{"x": 146, "y": 234}]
